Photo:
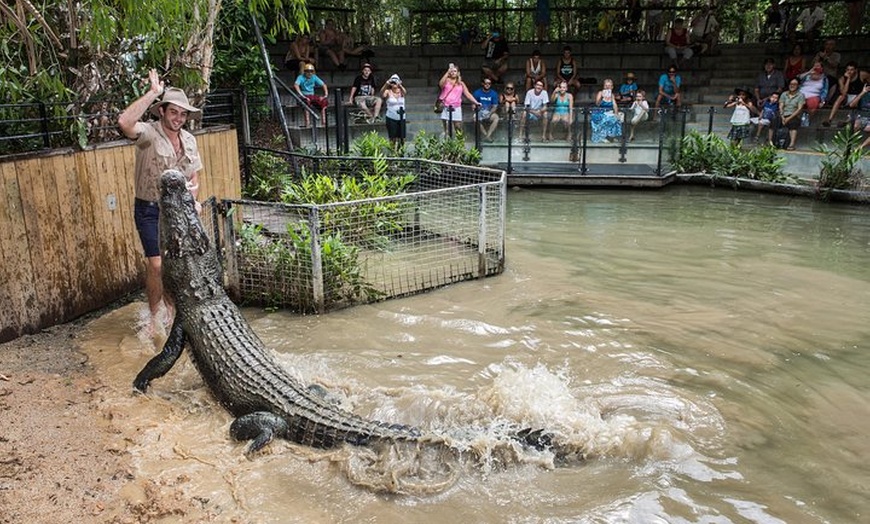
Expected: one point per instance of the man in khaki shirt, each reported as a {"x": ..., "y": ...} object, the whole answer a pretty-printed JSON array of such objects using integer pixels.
[{"x": 160, "y": 145}]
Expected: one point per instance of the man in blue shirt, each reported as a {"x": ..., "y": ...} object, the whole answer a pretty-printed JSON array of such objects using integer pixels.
[
  {"x": 487, "y": 112},
  {"x": 669, "y": 89}
]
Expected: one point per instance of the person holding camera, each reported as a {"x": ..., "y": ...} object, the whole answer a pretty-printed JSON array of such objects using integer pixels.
[
  {"x": 452, "y": 90},
  {"x": 394, "y": 96},
  {"x": 495, "y": 59},
  {"x": 740, "y": 119}
]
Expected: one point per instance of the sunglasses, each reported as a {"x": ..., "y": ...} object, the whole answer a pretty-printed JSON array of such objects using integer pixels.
[{"x": 509, "y": 88}]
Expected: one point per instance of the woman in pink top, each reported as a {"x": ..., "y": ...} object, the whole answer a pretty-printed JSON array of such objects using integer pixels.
[
  {"x": 814, "y": 87},
  {"x": 452, "y": 90}
]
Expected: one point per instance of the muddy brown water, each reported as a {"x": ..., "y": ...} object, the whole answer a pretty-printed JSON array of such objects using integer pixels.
[{"x": 704, "y": 353}]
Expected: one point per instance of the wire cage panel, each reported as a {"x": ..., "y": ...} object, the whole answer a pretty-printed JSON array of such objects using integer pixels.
[{"x": 311, "y": 258}]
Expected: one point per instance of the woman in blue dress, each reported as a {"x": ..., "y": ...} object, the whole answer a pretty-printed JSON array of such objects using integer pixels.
[{"x": 606, "y": 121}]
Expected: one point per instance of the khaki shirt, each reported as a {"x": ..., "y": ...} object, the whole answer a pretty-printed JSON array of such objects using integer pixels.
[{"x": 155, "y": 154}]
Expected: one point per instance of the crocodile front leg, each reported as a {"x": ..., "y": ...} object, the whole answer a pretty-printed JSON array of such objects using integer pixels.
[{"x": 163, "y": 362}]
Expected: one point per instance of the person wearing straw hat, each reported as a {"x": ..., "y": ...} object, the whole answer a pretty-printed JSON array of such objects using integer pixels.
[
  {"x": 305, "y": 85},
  {"x": 160, "y": 145}
]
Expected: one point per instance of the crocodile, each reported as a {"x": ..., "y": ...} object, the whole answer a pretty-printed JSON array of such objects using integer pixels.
[{"x": 234, "y": 363}]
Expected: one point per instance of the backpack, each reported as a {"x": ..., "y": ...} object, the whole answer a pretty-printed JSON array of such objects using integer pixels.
[{"x": 781, "y": 138}]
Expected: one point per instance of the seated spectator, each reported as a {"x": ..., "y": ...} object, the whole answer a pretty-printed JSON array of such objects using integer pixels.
[
  {"x": 301, "y": 52},
  {"x": 495, "y": 58},
  {"x": 305, "y": 85},
  {"x": 669, "y": 89},
  {"x": 850, "y": 86},
  {"x": 677, "y": 44},
  {"x": 563, "y": 110},
  {"x": 332, "y": 42},
  {"x": 814, "y": 87},
  {"x": 487, "y": 111},
  {"x": 536, "y": 107},
  {"x": 704, "y": 31},
  {"x": 364, "y": 93},
  {"x": 509, "y": 99},
  {"x": 791, "y": 106},
  {"x": 627, "y": 90},
  {"x": 767, "y": 118},
  {"x": 536, "y": 69},
  {"x": 607, "y": 123},
  {"x": 567, "y": 70},
  {"x": 794, "y": 63},
  {"x": 638, "y": 111},
  {"x": 769, "y": 81},
  {"x": 862, "y": 103},
  {"x": 830, "y": 60},
  {"x": 809, "y": 23}
]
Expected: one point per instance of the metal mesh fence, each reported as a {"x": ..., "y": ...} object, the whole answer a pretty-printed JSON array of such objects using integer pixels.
[{"x": 446, "y": 227}]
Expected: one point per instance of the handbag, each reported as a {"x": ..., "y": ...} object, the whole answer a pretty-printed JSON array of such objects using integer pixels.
[{"x": 439, "y": 103}]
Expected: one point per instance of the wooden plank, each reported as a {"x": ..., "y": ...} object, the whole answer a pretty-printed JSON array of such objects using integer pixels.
[
  {"x": 102, "y": 246},
  {"x": 124, "y": 158},
  {"x": 18, "y": 314},
  {"x": 39, "y": 202},
  {"x": 75, "y": 237}
]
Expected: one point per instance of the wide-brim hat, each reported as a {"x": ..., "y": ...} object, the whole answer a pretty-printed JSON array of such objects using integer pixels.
[
  {"x": 630, "y": 76},
  {"x": 176, "y": 96}
]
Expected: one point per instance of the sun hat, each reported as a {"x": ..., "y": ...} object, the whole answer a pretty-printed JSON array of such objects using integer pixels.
[
  {"x": 630, "y": 75},
  {"x": 308, "y": 67},
  {"x": 173, "y": 95},
  {"x": 395, "y": 79},
  {"x": 367, "y": 65}
]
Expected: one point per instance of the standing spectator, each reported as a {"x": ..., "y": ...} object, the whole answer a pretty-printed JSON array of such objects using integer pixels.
[
  {"x": 509, "y": 99},
  {"x": 607, "y": 123},
  {"x": 705, "y": 30},
  {"x": 567, "y": 70},
  {"x": 830, "y": 60},
  {"x": 769, "y": 81},
  {"x": 487, "y": 112},
  {"x": 536, "y": 107},
  {"x": 563, "y": 110},
  {"x": 850, "y": 86},
  {"x": 655, "y": 20},
  {"x": 791, "y": 106},
  {"x": 677, "y": 44},
  {"x": 394, "y": 94},
  {"x": 774, "y": 20},
  {"x": 363, "y": 93},
  {"x": 856, "y": 14},
  {"x": 495, "y": 58},
  {"x": 810, "y": 21},
  {"x": 768, "y": 117},
  {"x": 305, "y": 85},
  {"x": 331, "y": 41},
  {"x": 452, "y": 90},
  {"x": 536, "y": 70},
  {"x": 743, "y": 110},
  {"x": 669, "y": 89},
  {"x": 160, "y": 145},
  {"x": 794, "y": 63},
  {"x": 639, "y": 110},
  {"x": 814, "y": 87},
  {"x": 627, "y": 90},
  {"x": 542, "y": 20},
  {"x": 301, "y": 52}
]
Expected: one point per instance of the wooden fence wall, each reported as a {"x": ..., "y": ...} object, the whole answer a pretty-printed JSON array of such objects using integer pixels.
[{"x": 68, "y": 243}]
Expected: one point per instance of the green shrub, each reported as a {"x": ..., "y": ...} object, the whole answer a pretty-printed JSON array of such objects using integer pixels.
[
  {"x": 444, "y": 149},
  {"x": 839, "y": 165},
  {"x": 709, "y": 153}
]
